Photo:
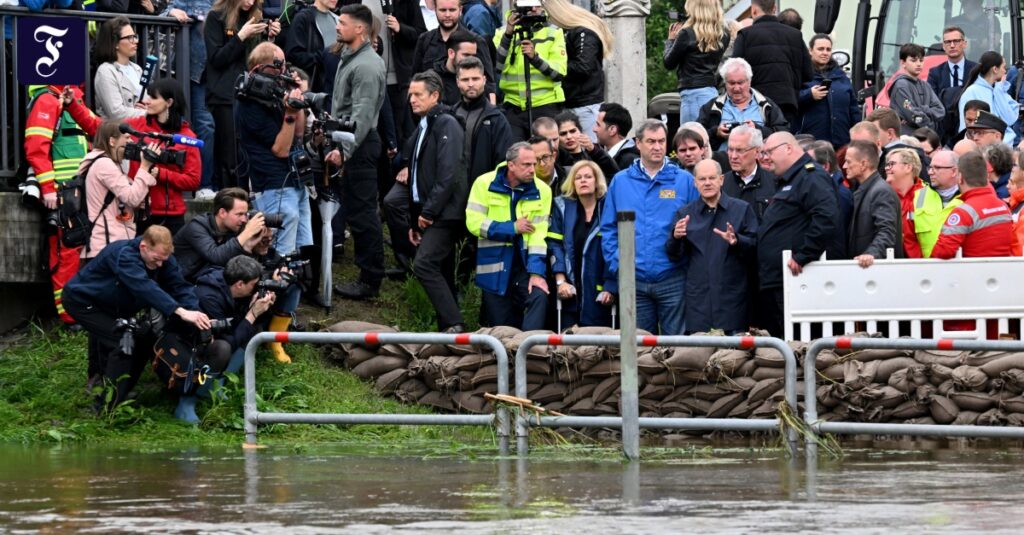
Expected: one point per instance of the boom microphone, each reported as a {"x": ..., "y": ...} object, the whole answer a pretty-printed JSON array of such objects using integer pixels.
[
  {"x": 177, "y": 139},
  {"x": 147, "y": 75}
]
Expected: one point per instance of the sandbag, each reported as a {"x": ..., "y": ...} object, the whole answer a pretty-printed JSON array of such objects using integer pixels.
[
  {"x": 943, "y": 409},
  {"x": 358, "y": 355},
  {"x": 433, "y": 350},
  {"x": 583, "y": 407},
  {"x": 604, "y": 369},
  {"x": 888, "y": 366},
  {"x": 438, "y": 400},
  {"x": 972, "y": 401},
  {"x": 761, "y": 374},
  {"x": 945, "y": 388},
  {"x": 354, "y": 326},
  {"x": 483, "y": 388},
  {"x": 550, "y": 393},
  {"x": 765, "y": 388},
  {"x": 939, "y": 374},
  {"x": 674, "y": 407},
  {"x": 696, "y": 407},
  {"x": 725, "y": 362},
  {"x": 690, "y": 358},
  {"x": 949, "y": 359},
  {"x": 655, "y": 392},
  {"x": 981, "y": 358},
  {"x": 992, "y": 417},
  {"x": 828, "y": 396},
  {"x": 387, "y": 383},
  {"x": 1015, "y": 419},
  {"x": 1014, "y": 404},
  {"x": 868, "y": 355},
  {"x": 969, "y": 378},
  {"x": 769, "y": 357},
  {"x": 606, "y": 388},
  {"x": 1013, "y": 380},
  {"x": 411, "y": 390},
  {"x": 470, "y": 402},
  {"x": 1006, "y": 363},
  {"x": 737, "y": 384},
  {"x": 910, "y": 409},
  {"x": 923, "y": 393},
  {"x": 475, "y": 361},
  {"x": 613, "y": 351},
  {"x": 858, "y": 374},
  {"x": 900, "y": 381},
  {"x": 766, "y": 409},
  {"x": 378, "y": 366},
  {"x": 585, "y": 357},
  {"x": 825, "y": 359},
  {"x": 721, "y": 407},
  {"x": 708, "y": 392},
  {"x": 746, "y": 370},
  {"x": 538, "y": 351},
  {"x": 966, "y": 418},
  {"x": 579, "y": 392},
  {"x": 836, "y": 372},
  {"x": 568, "y": 374},
  {"x": 918, "y": 374},
  {"x": 924, "y": 420},
  {"x": 890, "y": 397},
  {"x": 487, "y": 374},
  {"x": 742, "y": 410}
]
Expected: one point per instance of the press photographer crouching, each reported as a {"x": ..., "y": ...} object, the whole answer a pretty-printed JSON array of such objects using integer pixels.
[
  {"x": 287, "y": 277},
  {"x": 229, "y": 296},
  {"x": 269, "y": 123},
  {"x": 232, "y": 229},
  {"x": 127, "y": 277}
]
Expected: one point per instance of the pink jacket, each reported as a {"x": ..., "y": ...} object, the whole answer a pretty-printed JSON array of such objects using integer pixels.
[{"x": 104, "y": 176}]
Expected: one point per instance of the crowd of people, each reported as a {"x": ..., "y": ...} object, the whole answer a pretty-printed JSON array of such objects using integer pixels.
[{"x": 484, "y": 141}]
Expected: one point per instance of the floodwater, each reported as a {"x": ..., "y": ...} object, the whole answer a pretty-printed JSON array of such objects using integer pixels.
[{"x": 947, "y": 487}]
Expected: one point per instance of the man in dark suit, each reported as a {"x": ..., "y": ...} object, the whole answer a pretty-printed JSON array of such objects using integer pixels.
[
  {"x": 746, "y": 180},
  {"x": 875, "y": 226},
  {"x": 778, "y": 55},
  {"x": 947, "y": 78}
]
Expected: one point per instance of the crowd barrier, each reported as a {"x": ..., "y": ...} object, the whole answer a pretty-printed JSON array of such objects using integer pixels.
[
  {"x": 163, "y": 37},
  {"x": 901, "y": 296},
  {"x": 723, "y": 424},
  {"x": 851, "y": 428},
  {"x": 254, "y": 418}
]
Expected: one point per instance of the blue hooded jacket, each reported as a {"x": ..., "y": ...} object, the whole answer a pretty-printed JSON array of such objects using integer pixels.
[
  {"x": 655, "y": 202},
  {"x": 830, "y": 118}
]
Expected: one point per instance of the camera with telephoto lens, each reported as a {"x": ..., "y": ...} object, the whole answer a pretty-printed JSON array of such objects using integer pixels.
[
  {"x": 269, "y": 220},
  {"x": 216, "y": 327},
  {"x": 266, "y": 286},
  {"x": 135, "y": 151},
  {"x": 129, "y": 327},
  {"x": 266, "y": 88}
]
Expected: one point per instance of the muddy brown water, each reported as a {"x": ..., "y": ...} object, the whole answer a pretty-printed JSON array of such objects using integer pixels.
[{"x": 934, "y": 487}]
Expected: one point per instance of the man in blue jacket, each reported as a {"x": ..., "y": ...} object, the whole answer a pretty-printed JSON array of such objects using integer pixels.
[
  {"x": 126, "y": 277},
  {"x": 654, "y": 189}
]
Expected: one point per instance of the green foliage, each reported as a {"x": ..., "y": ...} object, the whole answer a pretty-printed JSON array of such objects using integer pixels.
[
  {"x": 659, "y": 80},
  {"x": 42, "y": 399}
]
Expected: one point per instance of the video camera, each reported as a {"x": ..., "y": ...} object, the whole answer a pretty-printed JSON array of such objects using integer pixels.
[
  {"x": 270, "y": 220},
  {"x": 529, "y": 23},
  {"x": 270, "y": 285},
  {"x": 268, "y": 89},
  {"x": 337, "y": 130},
  {"x": 135, "y": 151}
]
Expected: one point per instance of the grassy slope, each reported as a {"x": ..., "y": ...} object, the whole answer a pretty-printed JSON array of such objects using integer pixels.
[{"x": 42, "y": 374}]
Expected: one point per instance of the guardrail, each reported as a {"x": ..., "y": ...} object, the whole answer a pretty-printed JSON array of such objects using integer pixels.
[
  {"x": 254, "y": 418},
  {"x": 163, "y": 37},
  {"x": 851, "y": 428},
  {"x": 724, "y": 424}
]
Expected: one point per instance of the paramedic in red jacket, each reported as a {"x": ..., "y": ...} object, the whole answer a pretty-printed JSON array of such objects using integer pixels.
[
  {"x": 54, "y": 147},
  {"x": 982, "y": 225},
  {"x": 165, "y": 112}
]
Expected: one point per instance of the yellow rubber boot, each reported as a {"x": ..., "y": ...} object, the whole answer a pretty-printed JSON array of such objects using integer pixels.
[{"x": 279, "y": 324}]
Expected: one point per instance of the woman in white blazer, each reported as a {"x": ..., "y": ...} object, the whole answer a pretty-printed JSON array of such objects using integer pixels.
[{"x": 118, "y": 83}]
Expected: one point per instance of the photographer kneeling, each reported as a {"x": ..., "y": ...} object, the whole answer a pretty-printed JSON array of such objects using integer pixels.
[
  {"x": 268, "y": 120},
  {"x": 223, "y": 293},
  {"x": 281, "y": 275},
  {"x": 105, "y": 296},
  {"x": 213, "y": 239}
]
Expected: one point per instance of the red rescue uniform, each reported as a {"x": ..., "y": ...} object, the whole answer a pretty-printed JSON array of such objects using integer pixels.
[
  {"x": 911, "y": 247},
  {"x": 982, "y": 226}
]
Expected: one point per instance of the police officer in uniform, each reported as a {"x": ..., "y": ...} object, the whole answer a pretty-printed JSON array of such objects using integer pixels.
[{"x": 801, "y": 217}]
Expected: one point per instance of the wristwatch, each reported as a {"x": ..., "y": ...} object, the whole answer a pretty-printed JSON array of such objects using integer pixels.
[{"x": 290, "y": 119}]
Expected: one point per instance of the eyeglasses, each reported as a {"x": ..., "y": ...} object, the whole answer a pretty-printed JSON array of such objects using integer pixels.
[
  {"x": 889, "y": 165},
  {"x": 940, "y": 167},
  {"x": 768, "y": 152},
  {"x": 731, "y": 150},
  {"x": 978, "y": 132},
  {"x": 546, "y": 158},
  {"x": 133, "y": 38},
  {"x": 951, "y": 42}
]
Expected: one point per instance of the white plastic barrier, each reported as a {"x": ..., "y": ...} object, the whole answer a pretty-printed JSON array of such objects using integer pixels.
[{"x": 912, "y": 291}]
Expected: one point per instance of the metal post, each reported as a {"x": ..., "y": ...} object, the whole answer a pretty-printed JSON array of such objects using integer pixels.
[{"x": 627, "y": 348}]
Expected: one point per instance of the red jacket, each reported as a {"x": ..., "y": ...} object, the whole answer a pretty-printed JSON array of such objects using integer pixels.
[
  {"x": 165, "y": 197},
  {"x": 39, "y": 134},
  {"x": 982, "y": 226}
]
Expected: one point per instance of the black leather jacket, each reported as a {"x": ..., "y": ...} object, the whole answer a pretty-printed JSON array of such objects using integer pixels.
[{"x": 693, "y": 67}]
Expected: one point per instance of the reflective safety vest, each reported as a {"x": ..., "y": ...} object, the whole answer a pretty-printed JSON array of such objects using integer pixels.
[
  {"x": 489, "y": 217},
  {"x": 549, "y": 43},
  {"x": 54, "y": 144},
  {"x": 929, "y": 216}
]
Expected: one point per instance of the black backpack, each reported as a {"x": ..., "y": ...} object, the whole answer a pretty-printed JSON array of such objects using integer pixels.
[{"x": 73, "y": 210}]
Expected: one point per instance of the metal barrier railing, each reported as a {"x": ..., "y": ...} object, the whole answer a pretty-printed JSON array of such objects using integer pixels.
[
  {"x": 724, "y": 424},
  {"x": 163, "y": 37},
  {"x": 254, "y": 418},
  {"x": 851, "y": 428}
]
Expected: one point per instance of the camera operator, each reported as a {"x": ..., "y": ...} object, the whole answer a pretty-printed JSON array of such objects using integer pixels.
[
  {"x": 358, "y": 95},
  {"x": 218, "y": 237},
  {"x": 543, "y": 45},
  {"x": 270, "y": 122},
  {"x": 111, "y": 196},
  {"x": 125, "y": 278},
  {"x": 285, "y": 282},
  {"x": 177, "y": 169},
  {"x": 227, "y": 294}
]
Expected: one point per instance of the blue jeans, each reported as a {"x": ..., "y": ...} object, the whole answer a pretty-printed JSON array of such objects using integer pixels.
[
  {"x": 690, "y": 101},
  {"x": 202, "y": 125},
  {"x": 661, "y": 303},
  {"x": 288, "y": 300},
  {"x": 588, "y": 118},
  {"x": 293, "y": 203}
]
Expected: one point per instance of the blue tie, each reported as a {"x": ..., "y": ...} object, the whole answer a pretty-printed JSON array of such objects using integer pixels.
[{"x": 956, "y": 76}]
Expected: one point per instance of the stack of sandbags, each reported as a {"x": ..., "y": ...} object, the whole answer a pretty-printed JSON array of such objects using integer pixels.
[{"x": 875, "y": 385}]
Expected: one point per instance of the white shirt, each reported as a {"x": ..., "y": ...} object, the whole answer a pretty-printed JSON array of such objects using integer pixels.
[
  {"x": 961, "y": 74},
  {"x": 429, "y": 16},
  {"x": 749, "y": 178},
  {"x": 617, "y": 147}
]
